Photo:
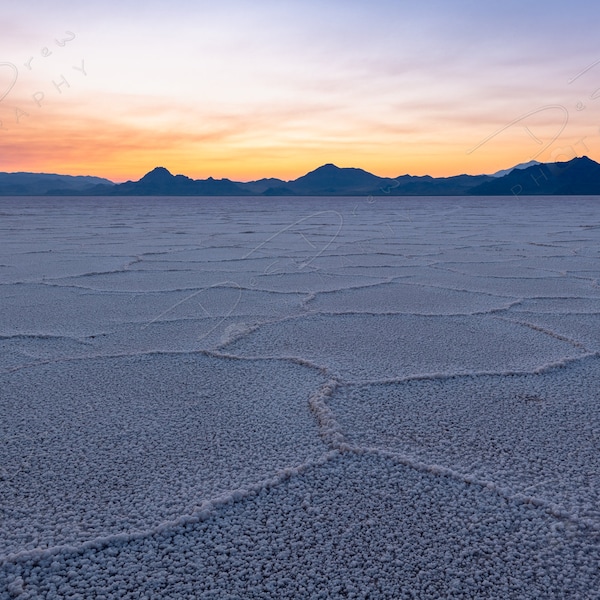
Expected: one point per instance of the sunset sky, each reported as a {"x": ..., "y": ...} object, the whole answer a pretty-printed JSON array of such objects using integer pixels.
[{"x": 276, "y": 88}]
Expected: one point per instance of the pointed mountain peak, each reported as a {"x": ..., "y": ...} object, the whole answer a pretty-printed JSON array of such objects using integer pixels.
[
  {"x": 157, "y": 174},
  {"x": 329, "y": 167}
]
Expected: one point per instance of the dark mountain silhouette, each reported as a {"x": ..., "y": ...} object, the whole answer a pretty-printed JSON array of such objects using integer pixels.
[
  {"x": 503, "y": 172},
  {"x": 262, "y": 185},
  {"x": 160, "y": 182},
  {"x": 330, "y": 179},
  {"x": 37, "y": 184},
  {"x": 580, "y": 176},
  {"x": 458, "y": 185}
]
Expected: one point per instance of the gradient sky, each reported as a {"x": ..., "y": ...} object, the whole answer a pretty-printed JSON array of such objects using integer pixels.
[{"x": 254, "y": 89}]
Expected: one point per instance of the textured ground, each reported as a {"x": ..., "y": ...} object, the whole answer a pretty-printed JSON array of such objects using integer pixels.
[{"x": 324, "y": 398}]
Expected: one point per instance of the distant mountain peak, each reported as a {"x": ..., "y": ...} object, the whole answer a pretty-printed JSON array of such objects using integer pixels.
[
  {"x": 158, "y": 175},
  {"x": 331, "y": 179},
  {"x": 521, "y": 166},
  {"x": 578, "y": 176},
  {"x": 329, "y": 167}
]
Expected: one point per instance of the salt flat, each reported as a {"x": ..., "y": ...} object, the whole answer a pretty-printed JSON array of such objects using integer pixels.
[{"x": 308, "y": 397}]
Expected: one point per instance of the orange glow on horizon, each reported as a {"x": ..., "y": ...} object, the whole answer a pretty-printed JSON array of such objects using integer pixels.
[
  {"x": 70, "y": 131},
  {"x": 122, "y": 152}
]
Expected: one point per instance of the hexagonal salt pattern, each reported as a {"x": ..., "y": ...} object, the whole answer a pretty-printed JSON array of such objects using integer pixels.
[
  {"x": 354, "y": 526},
  {"x": 535, "y": 435},
  {"x": 317, "y": 398},
  {"x": 93, "y": 447}
]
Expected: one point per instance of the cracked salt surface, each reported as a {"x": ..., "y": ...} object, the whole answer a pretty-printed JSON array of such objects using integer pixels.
[
  {"x": 375, "y": 347},
  {"x": 111, "y": 445},
  {"x": 404, "y": 297},
  {"x": 533, "y": 434},
  {"x": 357, "y": 526},
  {"x": 252, "y": 398}
]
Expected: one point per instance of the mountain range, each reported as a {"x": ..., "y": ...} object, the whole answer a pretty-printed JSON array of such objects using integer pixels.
[
  {"x": 579, "y": 176},
  {"x": 39, "y": 184}
]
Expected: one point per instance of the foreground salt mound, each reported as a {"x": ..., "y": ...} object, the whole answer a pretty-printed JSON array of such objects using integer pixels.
[
  {"x": 552, "y": 286},
  {"x": 307, "y": 280},
  {"x": 377, "y": 347},
  {"x": 114, "y": 445},
  {"x": 278, "y": 275},
  {"x": 583, "y": 328},
  {"x": 51, "y": 322},
  {"x": 509, "y": 269},
  {"x": 399, "y": 297},
  {"x": 26, "y": 264},
  {"x": 358, "y": 526},
  {"x": 559, "y": 306},
  {"x": 142, "y": 281},
  {"x": 535, "y": 435},
  {"x": 64, "y": 310},
  {"x": 583, "y": 260}
]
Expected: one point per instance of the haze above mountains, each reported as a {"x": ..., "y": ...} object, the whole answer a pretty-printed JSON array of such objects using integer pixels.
[{"x": 579, "y": 176}]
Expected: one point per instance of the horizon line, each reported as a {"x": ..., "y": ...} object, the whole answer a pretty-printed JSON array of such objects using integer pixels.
[{"x": 119, "y": 182}]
